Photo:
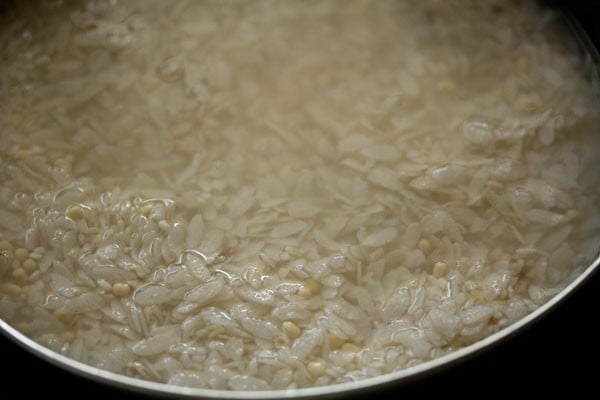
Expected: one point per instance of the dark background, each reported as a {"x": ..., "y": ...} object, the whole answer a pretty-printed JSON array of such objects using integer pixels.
[{"x": 559, "y": 354}]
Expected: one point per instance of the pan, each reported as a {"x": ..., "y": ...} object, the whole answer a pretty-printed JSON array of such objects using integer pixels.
[{"x": 550, "y": 342}]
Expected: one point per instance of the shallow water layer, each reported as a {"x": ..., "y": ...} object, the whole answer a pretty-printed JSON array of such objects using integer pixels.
[{"x": 269, "y": 195}]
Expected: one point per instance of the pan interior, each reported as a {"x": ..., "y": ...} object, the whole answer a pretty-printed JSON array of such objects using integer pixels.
[{"x": 267, "y": 197}]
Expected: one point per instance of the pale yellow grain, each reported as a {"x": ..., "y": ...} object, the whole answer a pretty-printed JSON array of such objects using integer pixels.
[
  {"x": 351, "y": 347},
  {"x": 334, "y": 341},
  {"x": 22, "y": 154},
  {"x": 147, "y": 210},
  {"x": 316, "y": 368},
  {"x": 12, "y": 289},
  {"x": 62, "y": 315},
  {"x": 446, "y": 86},
  {"x": 21, "y": 254},
  {"x": 440, "y": 269},
  {"x": 394, "y": 258},
  {"x": 573, "y": 214},
  {"x": 20, "y": 275},
  {"x": 424, "y": 245},
  {"x": 121, "y": 289},
  {"x": 29, "y": 265},
  {"x": 5, "y": 245},
  {"x": 97, "y": 241},
  {"x": 304, "y": 291},
  {"x": 522, "y": 63},
  {"x": 312, "y": 284},
  {"x": 476, "y": 294},
  {"x": 290, "y": 329},
  {"x": 75, "y": 212}
]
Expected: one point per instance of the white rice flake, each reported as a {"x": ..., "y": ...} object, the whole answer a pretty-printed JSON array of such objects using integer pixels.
[
  {"x": 307, "y": 342},
  {"x": 204, "y": 293},
  {"x": 324, "y": 240},
  {"x": 112, "y": 274},
  {"x": 559, "y": 263},
  {"x": 242, "y": 202},
  {"x": 188, "y": 379},
  {"x": 385, "y": 178},
  {"x": 397, "y": 306},
  {"x": 450, "y": 174},
  {"x": 259, "y": 328},
  {"x": 444, "y": 323},
  {"x": 288, "y": 228},
  {"x": 546, "y": 217},
  {"x": 84, "y": 303},
  {"x": 381, "y": 152},
  {"x": 302, "y": 209},
  {"x": 155, "y": 344},
  {"x": 353, "y": 142},
  {"x": 380, "y": 238},
  {"x": 477, "y": 314},
  {"x": 151, "y": 294}
]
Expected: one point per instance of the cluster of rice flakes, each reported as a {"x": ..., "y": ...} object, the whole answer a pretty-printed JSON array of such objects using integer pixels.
[{"x": 279, "y": 194}]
